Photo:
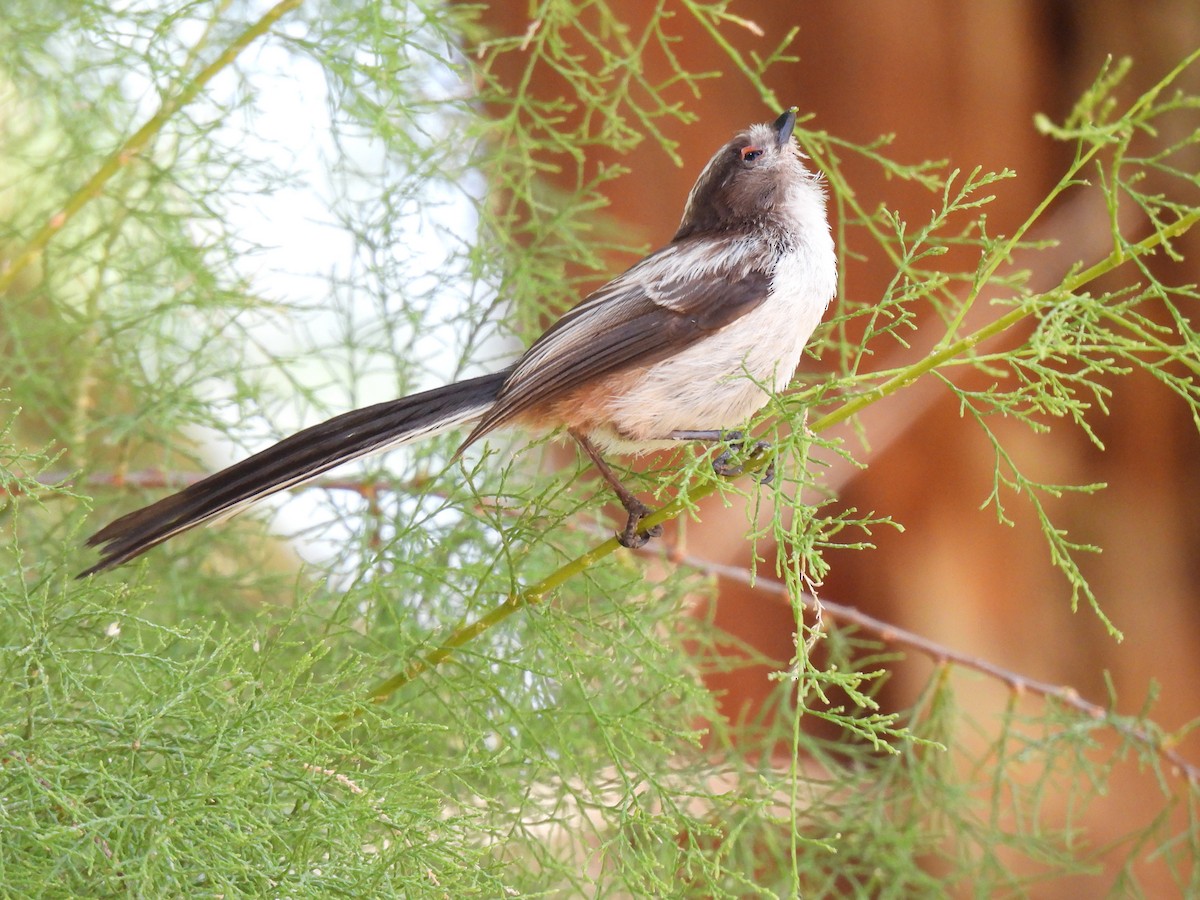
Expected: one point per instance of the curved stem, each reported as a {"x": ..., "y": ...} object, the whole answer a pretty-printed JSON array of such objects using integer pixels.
[{"x": 535, "y": 593}]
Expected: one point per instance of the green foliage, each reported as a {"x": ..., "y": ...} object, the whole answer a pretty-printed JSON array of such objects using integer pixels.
[{"x": 483, "y": 699}]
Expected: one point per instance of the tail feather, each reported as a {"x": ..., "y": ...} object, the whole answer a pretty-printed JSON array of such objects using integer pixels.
[{"x": 292, "y": 461}]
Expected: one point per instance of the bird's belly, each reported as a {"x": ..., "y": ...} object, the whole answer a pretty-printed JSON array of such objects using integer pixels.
[{"x": 717, "y": 383}]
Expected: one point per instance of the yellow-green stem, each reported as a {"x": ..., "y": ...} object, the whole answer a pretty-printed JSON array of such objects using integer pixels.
[{"x": 535, "y": 593}]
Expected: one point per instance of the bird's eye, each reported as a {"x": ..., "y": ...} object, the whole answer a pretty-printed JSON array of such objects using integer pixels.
[{"x": 750, "y": 154}]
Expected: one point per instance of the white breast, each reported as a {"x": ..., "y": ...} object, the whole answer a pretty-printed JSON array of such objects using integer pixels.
[{"x": 719, "y": 382}]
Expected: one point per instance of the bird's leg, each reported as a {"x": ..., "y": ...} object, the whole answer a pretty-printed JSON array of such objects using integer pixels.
[
  {"x": 631, "y": 537},
  {"x": 723, "y": 465}
]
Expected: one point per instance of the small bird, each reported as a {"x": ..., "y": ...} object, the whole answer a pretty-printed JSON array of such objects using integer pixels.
[{"x": 680, "y": 346}]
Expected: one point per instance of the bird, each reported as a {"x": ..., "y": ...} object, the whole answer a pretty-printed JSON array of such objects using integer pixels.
[{"x": 687, "y": 342}]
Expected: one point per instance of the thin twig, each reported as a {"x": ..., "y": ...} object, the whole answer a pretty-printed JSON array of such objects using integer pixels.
[
  {"x": 368, "y": 489},
  {"x": 940, "y": 653}
]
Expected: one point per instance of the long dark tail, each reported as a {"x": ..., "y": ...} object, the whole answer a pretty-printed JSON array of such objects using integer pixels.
[{"x": 293, "y": 461}]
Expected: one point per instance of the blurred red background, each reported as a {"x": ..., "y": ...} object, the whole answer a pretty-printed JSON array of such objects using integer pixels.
[{"x": 962, "y": 82}]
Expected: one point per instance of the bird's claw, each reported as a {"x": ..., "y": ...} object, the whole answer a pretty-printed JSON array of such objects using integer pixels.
[
  {"x": 724, "y": 465},
  {"x": 632, "y": 537}
]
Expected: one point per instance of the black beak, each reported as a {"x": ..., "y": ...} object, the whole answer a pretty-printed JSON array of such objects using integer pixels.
[{"x": 784, "y": 124}]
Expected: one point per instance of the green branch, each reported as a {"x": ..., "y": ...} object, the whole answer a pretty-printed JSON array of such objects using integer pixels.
[{"x": 906, "y": 376}]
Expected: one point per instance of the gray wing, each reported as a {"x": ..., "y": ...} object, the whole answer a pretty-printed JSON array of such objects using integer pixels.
[{"x": 661, "y": 306}]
